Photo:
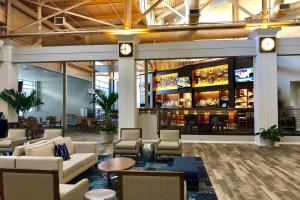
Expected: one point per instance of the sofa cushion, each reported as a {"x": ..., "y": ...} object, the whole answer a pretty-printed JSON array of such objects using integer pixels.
[
  {"x": 168, "y": 145},
  {"x": 130, "y": 134},
  {"x": 126, "y": 144},
  {"x": 20, "y": 150},
  {"x": 55, "y": 139},
  {"x": 16, "y": 133},
  {"x": 169, "y": 135},
  {"x": 76, "y": 161},
  {"x": 61, "y": 150},
  {"x": 68, "y": 142},
  {"x": 43, "y": 149},
  {"x": 6, "y": 143}
]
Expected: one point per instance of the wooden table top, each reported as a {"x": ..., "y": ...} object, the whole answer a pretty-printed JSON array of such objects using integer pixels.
[{"x": 116, "y": 164}]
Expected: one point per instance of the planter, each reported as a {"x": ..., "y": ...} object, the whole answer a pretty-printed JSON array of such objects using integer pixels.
[
  {"x": 270, "y": 143},
  {"x": 107, "y": 136}
]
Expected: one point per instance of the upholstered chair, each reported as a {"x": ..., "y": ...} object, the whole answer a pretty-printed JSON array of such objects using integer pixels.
[
  {"x": 129, "y": 142},
  {"x": 15, "y": 137},
  {"x": 37, "y": 185},
  {"x": 49, "y": 133},
  {"x": 149, "y": 185},
  {"x": 169, "y": 143}
]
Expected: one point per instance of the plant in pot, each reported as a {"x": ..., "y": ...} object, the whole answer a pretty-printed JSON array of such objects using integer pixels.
[
  {"x": 271, "y": 135},
  {"x": 20, "y": 102},
  {"x": 106, "y": 101}
]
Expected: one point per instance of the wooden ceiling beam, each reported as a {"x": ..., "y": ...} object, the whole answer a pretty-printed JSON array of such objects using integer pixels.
[
  {"x": 52, "y": 15},
  {"x": 153, "y": 6}
]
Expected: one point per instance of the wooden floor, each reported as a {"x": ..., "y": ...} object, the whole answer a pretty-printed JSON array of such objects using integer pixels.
[{"x": 242, "y": 171}]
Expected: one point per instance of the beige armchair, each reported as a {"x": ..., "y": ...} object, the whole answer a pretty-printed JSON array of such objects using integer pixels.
[
  {"x": 129, "y": 142},
  {"x": 15, "y": 137},
  {"x": 49, "y": 133},
  {"x": 38, "y": 184},
  {"x": 169, "y": 143},
  {"x": 149, "y": 185}
]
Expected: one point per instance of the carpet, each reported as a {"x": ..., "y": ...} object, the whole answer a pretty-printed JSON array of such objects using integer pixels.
[{"x": 97, "y": 180}]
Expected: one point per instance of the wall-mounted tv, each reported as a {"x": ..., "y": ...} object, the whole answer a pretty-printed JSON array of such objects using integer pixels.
[
  {"x": 183, "y": 82},
  {"x": 244, "y": 75}
]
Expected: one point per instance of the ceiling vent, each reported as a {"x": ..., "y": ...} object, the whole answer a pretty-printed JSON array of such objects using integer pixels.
[
  {"x": 284, "y": 6},
  {"x": 59, "y": 21}
]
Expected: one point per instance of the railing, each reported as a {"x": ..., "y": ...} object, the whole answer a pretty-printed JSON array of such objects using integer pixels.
[{"x": 206, "y": 121}]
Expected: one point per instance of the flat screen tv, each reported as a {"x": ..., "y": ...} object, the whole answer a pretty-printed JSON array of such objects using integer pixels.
[
  {"x": 183, "y": 82},
  {"x": 244, "y": 75}
]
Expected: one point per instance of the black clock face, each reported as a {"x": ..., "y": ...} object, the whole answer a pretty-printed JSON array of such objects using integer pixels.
[{"x": 125, "y": 49}]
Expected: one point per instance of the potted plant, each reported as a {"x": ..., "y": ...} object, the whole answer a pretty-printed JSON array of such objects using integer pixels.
[
  {"x": 20, "y": 102},
  {"x": 106, "y": 101},
  {"x": 271, "y": 135}
]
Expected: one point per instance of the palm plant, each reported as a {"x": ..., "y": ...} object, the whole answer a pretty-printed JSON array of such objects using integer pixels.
[
  {"x": 106, "y": 101},
  {"x": 19, "y": 101}
]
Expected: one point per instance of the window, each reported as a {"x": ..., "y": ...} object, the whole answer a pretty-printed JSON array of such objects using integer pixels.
[{"x": 28, "y": 87}]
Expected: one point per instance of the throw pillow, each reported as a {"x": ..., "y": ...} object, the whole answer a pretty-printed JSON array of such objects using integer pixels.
[{"x": 61, "y": 150}]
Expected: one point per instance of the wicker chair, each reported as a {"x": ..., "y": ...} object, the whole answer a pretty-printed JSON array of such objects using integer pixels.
[
  {"x": 23, "y": 184},
  {"x": 149, "y": 185}
]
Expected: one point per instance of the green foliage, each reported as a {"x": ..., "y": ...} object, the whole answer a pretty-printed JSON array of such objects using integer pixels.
[
  {"x": 273, "y": 133},
  {"x": 19, "y": 101},
  {"x": 106, "y": 102}
]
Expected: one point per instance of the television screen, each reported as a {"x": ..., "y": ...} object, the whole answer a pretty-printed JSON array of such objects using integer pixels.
[
  {"x": 183, "y": 82},
  {"x": 244, "y": 75}
]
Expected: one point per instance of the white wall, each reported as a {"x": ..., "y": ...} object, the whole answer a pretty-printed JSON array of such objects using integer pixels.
[{"x": 289, "y": 74}]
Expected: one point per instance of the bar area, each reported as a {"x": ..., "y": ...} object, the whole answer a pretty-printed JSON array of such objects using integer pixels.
[{"x": 214, "y": 97}]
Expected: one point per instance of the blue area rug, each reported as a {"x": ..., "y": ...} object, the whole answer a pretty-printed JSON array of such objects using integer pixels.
[{"x": 97, "y": 180}]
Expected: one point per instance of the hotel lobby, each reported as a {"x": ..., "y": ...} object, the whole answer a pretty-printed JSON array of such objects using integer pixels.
[{"x": 149, "y": 99}]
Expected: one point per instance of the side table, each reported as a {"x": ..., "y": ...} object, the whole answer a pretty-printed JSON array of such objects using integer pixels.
[{"x": 101, "y": 194}]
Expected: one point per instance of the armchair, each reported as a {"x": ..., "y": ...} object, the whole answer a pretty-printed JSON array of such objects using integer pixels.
[
  {"x": 15, "y": 137},
  {"x": 24, "y": 184},
  {"x": 169, "y": 143},
  {"x": 49, "y": 133},
  {"x": 148, "y": 185},
  {"x": 129, "y": 142}
]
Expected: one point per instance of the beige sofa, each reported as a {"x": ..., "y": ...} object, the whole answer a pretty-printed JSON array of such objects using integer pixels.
[
  {"x": 15, "y": 137},
  {"x": 34, "y": 187},
  {"x": 40, "y": 156}
]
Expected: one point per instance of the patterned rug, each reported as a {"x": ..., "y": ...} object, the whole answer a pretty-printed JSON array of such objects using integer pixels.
[{"x": 97, "y": 180}]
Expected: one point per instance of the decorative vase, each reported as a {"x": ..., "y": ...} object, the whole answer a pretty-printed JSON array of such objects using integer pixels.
[
  {"x": 270, "y": 143},
  {"x": 107, "y": 136}
]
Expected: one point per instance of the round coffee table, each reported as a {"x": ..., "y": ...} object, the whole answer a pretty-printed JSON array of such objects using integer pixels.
[
  {"x": 100, "y": 194},
  {"x": 115, "y": 164}
]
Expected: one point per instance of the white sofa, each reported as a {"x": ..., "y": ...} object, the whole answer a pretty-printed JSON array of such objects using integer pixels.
[
  {"x": 40, "y": 156},
  {"x": 49, "y": 133}
]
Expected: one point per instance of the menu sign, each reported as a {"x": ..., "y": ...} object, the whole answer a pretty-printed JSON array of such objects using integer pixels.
[{"x": 165, "y": 82}]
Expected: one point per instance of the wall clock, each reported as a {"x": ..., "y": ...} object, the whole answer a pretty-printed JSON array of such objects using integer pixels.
[
  {"x": 126, "y": 49},
  {"x": 267, "y": 44}
]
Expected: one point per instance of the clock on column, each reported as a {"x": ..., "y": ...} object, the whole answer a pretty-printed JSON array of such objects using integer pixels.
[
  {"x": 267, "y": 44},
  {"x": 125, "y": 49}
]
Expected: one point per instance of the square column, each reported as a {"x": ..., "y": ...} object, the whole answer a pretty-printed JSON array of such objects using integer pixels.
[
  {"x": 8, "y": 80},
  {"x": 265, "y": 86},
  {"x": 127, "y": 89}
]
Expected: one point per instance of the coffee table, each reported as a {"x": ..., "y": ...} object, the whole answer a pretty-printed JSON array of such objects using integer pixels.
[
  {"x": 100, "y": 194},
  {"x": 115, "y": 164}
]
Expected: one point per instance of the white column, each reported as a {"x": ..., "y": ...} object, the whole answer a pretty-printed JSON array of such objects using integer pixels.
[
  {"x": 265, "y": 86},
  {"x": 127, "y": 90},
  {"x": 8, "y": 80}
]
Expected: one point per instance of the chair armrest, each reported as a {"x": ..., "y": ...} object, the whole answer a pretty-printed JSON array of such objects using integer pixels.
[
  {"x": 156, "y": 143},
  {"x": 86, "y": 147},
  {"x": 34, "y": 141},
  {"x": 18, "y": 142},
  {"x": 40, "y": 163},
  {"x": 77, "y": 192},
  {"x": 116, "y": 142}
]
